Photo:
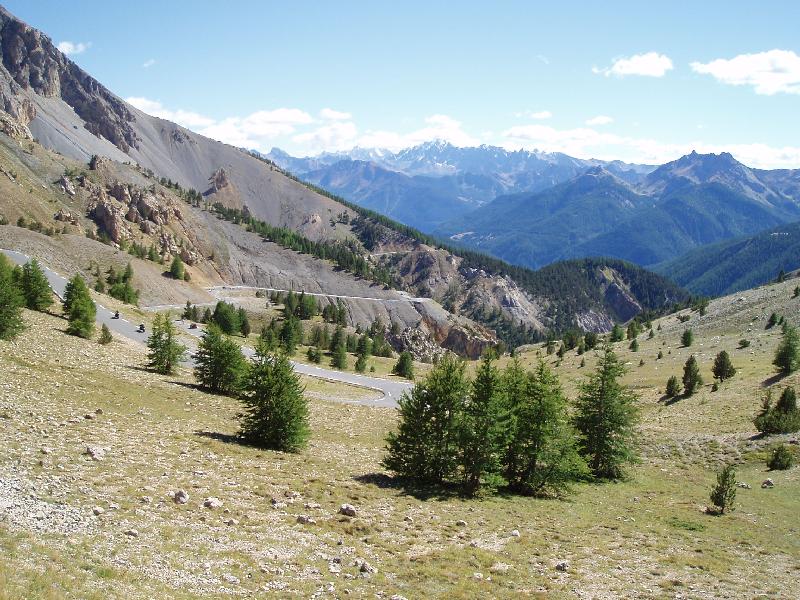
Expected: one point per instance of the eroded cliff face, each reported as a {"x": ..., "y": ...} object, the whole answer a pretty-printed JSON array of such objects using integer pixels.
[{"x": 33, "y": 63}]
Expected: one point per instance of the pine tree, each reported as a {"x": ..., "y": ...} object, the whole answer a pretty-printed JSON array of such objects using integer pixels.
[
  {"x": 617, "y": 334},
  {"x": 634, "y": 347},
  {"x": 219, "y": 363},
  {"x": 35, "y": 287},
  {"x": 79, "y": 308},
  {"x": 787, "y": 356},
  {"x": 105, "y": 335},
  {"x": 404, "y": 366},
  {"x": 545, "y": 456},
  {"x": 361, "y": 363},
  {"x": 723, "y": 494},
  {"x": 781, "y": 458},
  {"x": 772, "y": 321},
  {"x": 314, "y": 355},
  {"x": 691, "y": 376},
  {"x": 244, "y": 322},
  {"x": 590, "y": 339},
  {"x": 71, "y": 291},
  {"x": 606, "y": 417},
  {"x": 364, "y": 346},
  {"x": 482, "y": 430},
  {"x": 226, "y": 317},
  {"x": 341, "y": 313},
  {"x": 784, "y": 417},
  {"x": 673, "y": 387},
  {"x": 11, "y": 302},
  {"x": 164, "y": 350},
  {"x": 339, "y": 359},
  {"x": 424, "y": 448},
  {"x": 290, "y": 335},
  {"x": 188, "y": 312},
  {"x": 723, "y": 367},
  {"x": 687, "y": 338},
  {"x": 275, "y": 409},
  {"x": 176, "y": 269}
]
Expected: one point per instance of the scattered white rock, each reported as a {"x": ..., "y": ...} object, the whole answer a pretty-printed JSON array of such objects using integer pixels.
[
  {"x": 212, "y": 502},
  {"x": 228, "y": 578},
  {"x": 98, "y": 510},
  {"x": 743, "y": 485},
  {"x": 348, "y": 510},
  {"x": 131, "y": 533},
  {"x": 767, "y": 483},
  {"x": 408, "y": 519},
  {"x": 500, "y": 567},
  {"x": 230, "y": 522},
  {"x": 461, "y": 523},
  {"x": 306, "y": 520},
  {"x": 478, "y": 576},
  {"x": 95, "y": 453},
  {"x": 562, "y": 566},
  {"x": 365, "y": 567},
  {"x": 46, "y": 450},
  {"x": 180, "y": 497},
  {"x": 515, "y": 533},
  {"x": 311, "y": 505}
]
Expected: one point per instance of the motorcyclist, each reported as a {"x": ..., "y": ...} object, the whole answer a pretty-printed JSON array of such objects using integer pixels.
[
  {"x": 141, "y": 327},
  {"x": 116, "y": 314}
]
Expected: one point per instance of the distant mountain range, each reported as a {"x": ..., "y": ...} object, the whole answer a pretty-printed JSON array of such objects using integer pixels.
[
  {"x": 535, "y": 208},
  {"x": 435, "y": 182},
  {"x": 693, "y": 201},
  {"x": 737, "y": 264}
]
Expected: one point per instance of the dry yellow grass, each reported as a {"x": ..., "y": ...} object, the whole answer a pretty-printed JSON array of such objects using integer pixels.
[{"x": 646, "y": 537}]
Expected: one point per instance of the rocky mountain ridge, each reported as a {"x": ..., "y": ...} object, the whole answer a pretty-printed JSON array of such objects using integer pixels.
[{"x": 687, "y": 203}]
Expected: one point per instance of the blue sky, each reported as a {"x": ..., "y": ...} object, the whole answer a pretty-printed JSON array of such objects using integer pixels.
[{"x": 637, "y": 81}]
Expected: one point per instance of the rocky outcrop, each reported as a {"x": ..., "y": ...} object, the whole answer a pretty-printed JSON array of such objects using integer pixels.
[
  {"x": 218, "y": 181},
  {"x": 65, "y": 216},
  {"x": 110, "y": 218},
  {"x": 460, "y": 338},
  {"x": 33, "y": 63},
  {"x": 420, "y": 344},
  {"x": 66, "y": 185},
  {"x": 13, "y": 127}
]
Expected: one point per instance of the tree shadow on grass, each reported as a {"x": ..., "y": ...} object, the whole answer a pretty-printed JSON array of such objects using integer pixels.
[
  {"x": 769, "y": 381},
  {"x": 408, "y": 488},
  {"x": 191, "y": 386},
  {"x": 226, "y": 438}
]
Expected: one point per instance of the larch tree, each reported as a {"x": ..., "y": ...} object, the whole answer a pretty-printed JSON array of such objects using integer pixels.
[{"x": 606, "y": 417}]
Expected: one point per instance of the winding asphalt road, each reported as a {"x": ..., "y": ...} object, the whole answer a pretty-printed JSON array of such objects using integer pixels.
[{"x": 391, "y": 390}]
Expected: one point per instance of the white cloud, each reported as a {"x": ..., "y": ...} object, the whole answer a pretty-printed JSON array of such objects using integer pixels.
[
  {"x": 439, "y": 127},
  {"x": 337, "y": 135},
  {"x": 189, "y": 119},
  {"x": 334, "y": 115},
  {"x": 542, "y": 58},
  {"x": 600, "y": 120},
  {"x": 255, "y": 130},
  {"x": 529, "y": 114},
  {"x": 149, "y": 63},
  {"x": 768, "y": 73},
  {"x": 650, "y": 64},
  {"x": 72, "y": 48},
  {"x": 298, "y": 131},
  {"x": 585, "y": 142}
]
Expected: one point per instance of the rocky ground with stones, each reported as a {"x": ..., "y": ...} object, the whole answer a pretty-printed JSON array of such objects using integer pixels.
[{"x": 115, "y": 482}]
